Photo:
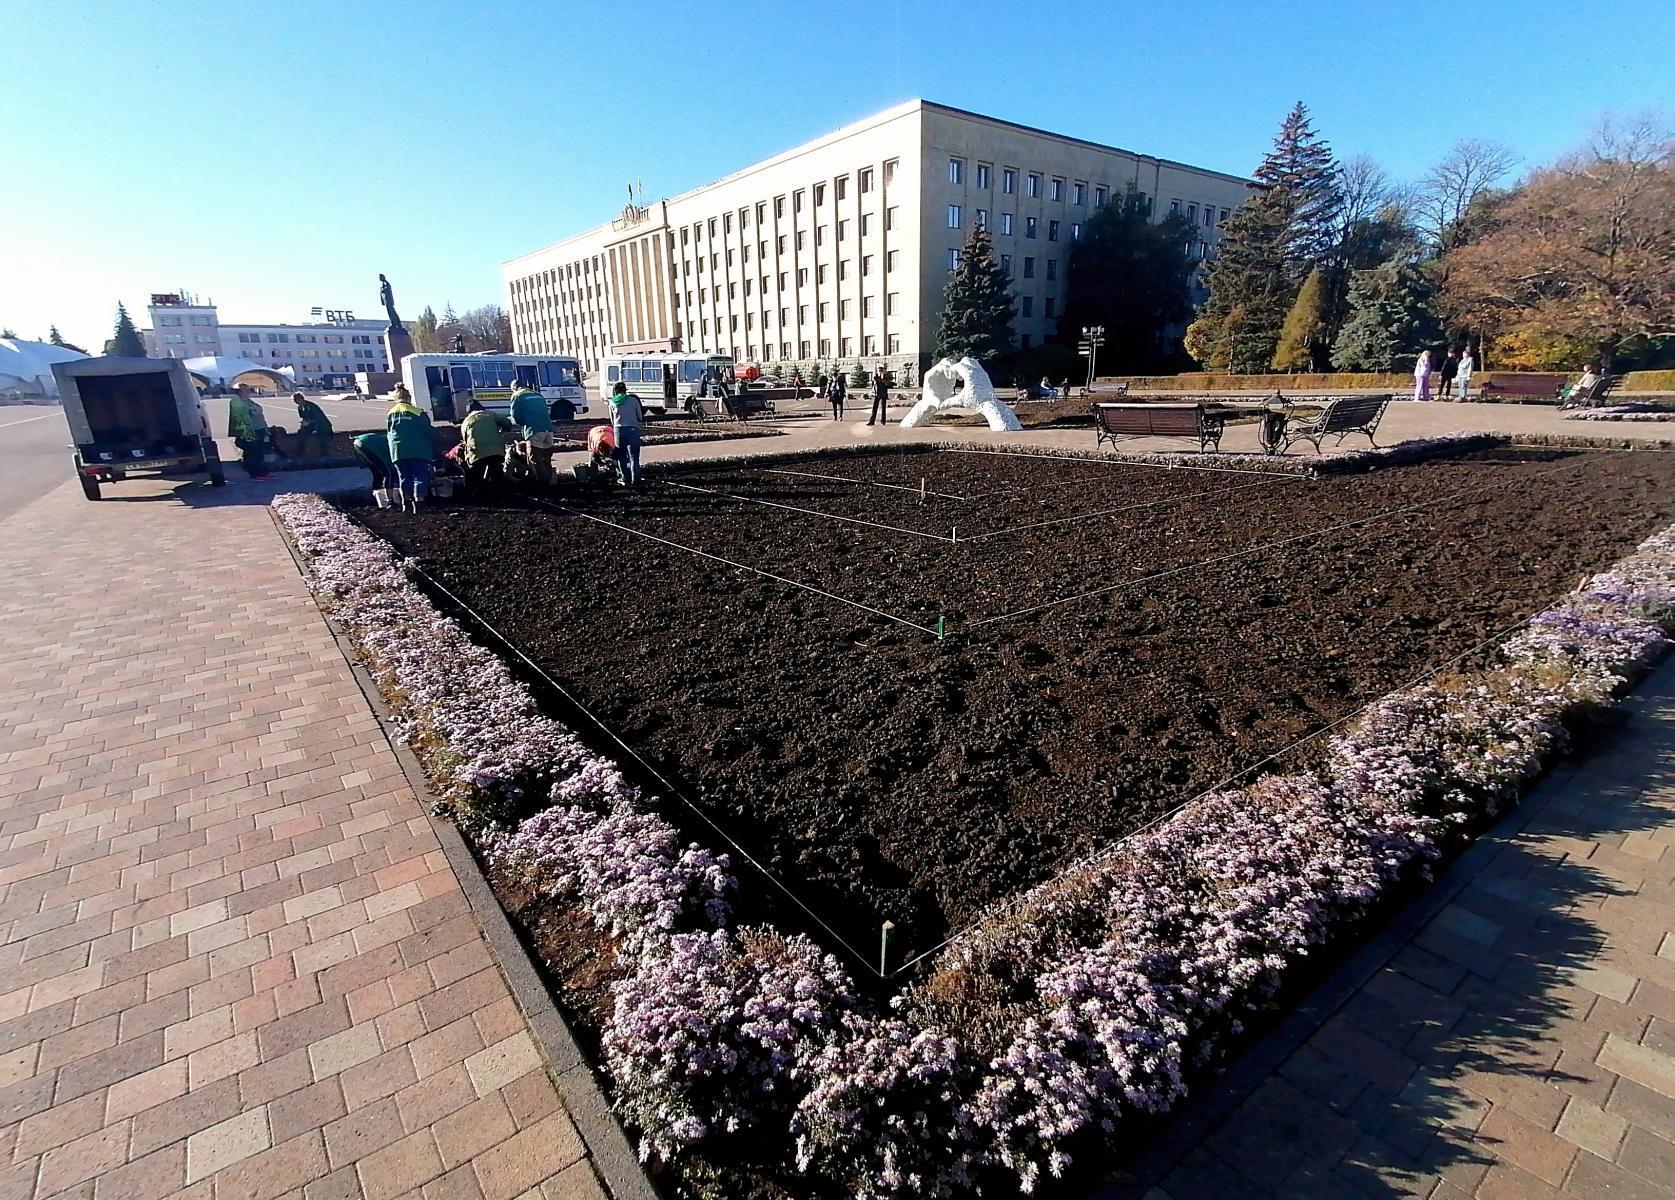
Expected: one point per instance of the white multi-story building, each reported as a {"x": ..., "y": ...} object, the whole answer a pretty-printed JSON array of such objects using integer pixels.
[
  {"x": 840, "y": 248},
  {"x": 319, "y": 353}
]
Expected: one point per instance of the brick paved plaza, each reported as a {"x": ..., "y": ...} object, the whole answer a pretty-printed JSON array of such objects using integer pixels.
[{"x": 237, "y": 963}]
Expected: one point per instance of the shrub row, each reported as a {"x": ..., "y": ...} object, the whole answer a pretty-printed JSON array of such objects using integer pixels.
[
  {"x": 1095, "y": 995},
  {"x": 1400, "y": 382}
]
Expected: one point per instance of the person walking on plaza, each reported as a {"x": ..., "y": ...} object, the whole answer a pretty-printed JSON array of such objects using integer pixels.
[
  {"x": 247, "y": 425},
  {"x": 836, "y": 390},
  {"x": 412, "y": 449},
  {"x": 1445, "y": 376},
  {"x": 313, "y": 426},
  {"x": 483, "y": 444},
  {"x": 530, "y": 413},
  {"x": 1422, "y": 376},
  {"x": 372, "y": 451},
  {"x": 626, "y": 418},
  {"x": 1462, "y": 377},
  {"x": 880, "y": 396}
]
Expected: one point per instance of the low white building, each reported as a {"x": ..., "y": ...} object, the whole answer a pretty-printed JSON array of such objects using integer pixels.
[
  {"x": 839, "y": 249},
  {"x": 322, "y": 354}
]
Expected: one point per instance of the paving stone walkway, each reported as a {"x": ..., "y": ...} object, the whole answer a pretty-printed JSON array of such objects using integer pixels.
[
  {"x": 234, "y": 963},
  {"x": 1514, "y": 1043}
]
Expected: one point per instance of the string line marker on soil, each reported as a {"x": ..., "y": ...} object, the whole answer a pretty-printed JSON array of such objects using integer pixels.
[
  {"x": 663, "y": 781},
  {"x": 1116, "y": 460},
  {"x": 1109, "y": 851},
  {"x": 807, "y": 587},
  {"x": 1387, "y": 514},
  {"x": 897, "y": 487},
  {"x": 1105, "y": 512},
  {"x": 812, "y": 512}
]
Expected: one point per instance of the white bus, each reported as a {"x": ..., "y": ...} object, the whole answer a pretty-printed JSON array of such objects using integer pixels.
[
  {"x": 447, "y": 383},
  {"x": 663, "y": 380}
]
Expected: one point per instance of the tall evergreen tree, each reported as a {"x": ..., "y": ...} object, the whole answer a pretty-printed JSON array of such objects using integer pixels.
[
  {"x": 976, "y": 305},
  {"x": 125, "y": 341},
  {"x": 57, "y": 339},
  {"x": 1132, "y": 277},
  {"x": 425, "y": 338},
  {"x": 1270, "y": 244},
  {"x": 1392, "y": 317},
  {"x": 1304, "y": 330}
]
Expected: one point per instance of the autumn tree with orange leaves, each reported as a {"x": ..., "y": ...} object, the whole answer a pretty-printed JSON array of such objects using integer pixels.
[{"x": 1583, "y": 249}]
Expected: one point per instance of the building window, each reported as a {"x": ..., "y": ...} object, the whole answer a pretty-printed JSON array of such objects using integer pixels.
[
  {"x": 1209, "y": 216},
  {"x": 890, "y": 171},
  {"x": 1192, "y": 214},
  {"x": 1029, "y": 268},
  {"x": 843, "y": 269},
  {"x": 1075, "y": 231},
  {"x": 866, "y": 265},
  {"x": 842, "y": 186},
  {"x": 1047, "y": 307},
  {"x": 1006, "y": 223},
  {"x": 797, "y": 200},
  {"x": 889, "y": 218},
  {"x": 779, "y": 243},
  {"x": 1052, "y": 268},
  {"x": 983, "y": 218},
  {"x": 1028, "y": 303},
  {"x": 870, "y": 344},
  {"x": 801, "y": 234},
  {"x": 1008, "y": 181},
  {"x": 819, "y": 235},
  {"x": 895, "y": 343},
  {"x": 956, "y": 170},
  {"x": 727, "y": 222},
  {"x": 825, "y": 347},
  {"x": 1079, "y": 193},
  {"x": 1029, "y": 227},
  {"x": 1056, "y": 191},
  {"x": 1224, "y": 214},
  {"x": 866, "y": 306},
  {"x": 953, "y": 216},
  {"x": 210, "y": 338},
  {"x": 890, "y": 303},
  {"x": 847, "y": 347},
  {"x": 1174, "y": 206},
  {"x": 953, "y": 258},
  {"x": 1006, "y": 264},
  {"x": 802, "y": 314},
  {"x": 863, "y": 178},
  {"x": 761, "y": 211},
  {"x": 890, "y": 260},
  {"x": 983, "y": 173},
  {"x": 843, "y": 230},
  {"x": 819, "y": 194},
  {"x": 175, "y": 339},
  {"x": 843, "y": 310},
  {"x": 779, "y": 211},
  {"x": 784, "y": 280},
  {"x": 1032, "y": 186},
  {"x": 820, "y": 274},
  {"x": 168, "y": 322},
  {"x": 1052, "y": 231}
]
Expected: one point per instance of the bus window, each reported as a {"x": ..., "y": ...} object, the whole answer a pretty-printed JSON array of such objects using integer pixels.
[
  {"x": 433, "y": 378},
  {"x": 559, "y": 374},
  {"x": 612, "y": 374},
  {"x": 525, "y": 375},
  {"x": 691, "y": 370}
]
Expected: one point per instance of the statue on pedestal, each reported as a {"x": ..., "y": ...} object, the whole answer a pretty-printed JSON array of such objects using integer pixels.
[{"x": 386, "y": 297}]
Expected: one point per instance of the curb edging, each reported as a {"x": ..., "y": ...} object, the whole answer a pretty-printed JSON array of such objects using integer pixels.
[{"x": 609, "y": 1152}]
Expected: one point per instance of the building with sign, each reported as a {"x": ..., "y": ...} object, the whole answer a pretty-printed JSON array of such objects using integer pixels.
[
  {"x": 326, "y": 353},
  {"x": 838, "y": 250}
]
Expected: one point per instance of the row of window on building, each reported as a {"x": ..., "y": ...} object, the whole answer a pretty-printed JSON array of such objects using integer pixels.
[
  {"x": 332, "y": 339},
  {"x": 174, "y": 322},
  {"x": 1034, "y": 182}
]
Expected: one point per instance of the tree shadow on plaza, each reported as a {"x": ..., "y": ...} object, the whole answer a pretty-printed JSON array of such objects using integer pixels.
[{"x": 1476, "y": 1013}]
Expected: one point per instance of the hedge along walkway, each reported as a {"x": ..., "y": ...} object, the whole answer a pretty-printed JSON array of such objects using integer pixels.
[
  {"x": 234, "y": 962},
  {"x": 1512, "y": 1036}
]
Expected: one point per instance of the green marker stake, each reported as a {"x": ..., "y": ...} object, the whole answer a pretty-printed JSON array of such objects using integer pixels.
[{"x": 939, "y": 629}]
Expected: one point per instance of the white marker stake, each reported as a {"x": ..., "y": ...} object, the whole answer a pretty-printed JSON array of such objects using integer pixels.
[{"x": 884, "y": 932}]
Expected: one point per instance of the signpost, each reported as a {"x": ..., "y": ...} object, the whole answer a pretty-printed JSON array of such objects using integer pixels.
[{"x": 1093, "y": 337}]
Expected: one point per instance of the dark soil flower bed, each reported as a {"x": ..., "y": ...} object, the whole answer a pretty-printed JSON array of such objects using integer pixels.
[{"x": 883, "y": 773}]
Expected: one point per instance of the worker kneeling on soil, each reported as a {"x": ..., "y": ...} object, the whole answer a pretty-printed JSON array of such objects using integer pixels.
[
  {"x": 372, "y": 451},
  {"x": 483, "y": 444},
  {"x": 315, "y": 428},
  {"x": 529, "y": 411},
  {"x": 412, "y": 448}
]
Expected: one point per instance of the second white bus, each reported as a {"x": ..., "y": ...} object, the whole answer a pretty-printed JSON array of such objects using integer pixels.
[
  {"x": 664, "y": 382},
  {"x": 445, "y": 384}
]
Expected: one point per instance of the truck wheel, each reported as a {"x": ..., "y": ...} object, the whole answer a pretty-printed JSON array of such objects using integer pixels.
[
  {"x": 89, "y": 486},
  {"x": 562, "y": 410}
]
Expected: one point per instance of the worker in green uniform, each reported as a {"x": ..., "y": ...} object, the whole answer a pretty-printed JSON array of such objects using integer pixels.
[
  {"x": 483, "y": 443},
  {"x": 372, "y": 450},
  {"x": 247, "y": 425},
  {"x": 412, "y": 449},
  {"x": 529, "y": 411},
  {"x": 313, "y": 426}
]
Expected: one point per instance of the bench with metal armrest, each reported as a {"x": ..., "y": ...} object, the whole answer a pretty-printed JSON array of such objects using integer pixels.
[
  {"x": 1339, "y": 417},
  {"x": 1112, "y": 421}
]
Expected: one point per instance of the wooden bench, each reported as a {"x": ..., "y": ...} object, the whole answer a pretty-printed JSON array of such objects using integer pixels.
[
  {"x": 1191, "y": 421},
  {"x": 1341, "y": 416},
  {"x": 1504, "y": 383}
]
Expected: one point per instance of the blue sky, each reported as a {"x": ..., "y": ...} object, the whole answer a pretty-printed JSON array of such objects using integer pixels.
[{"x": 278, "y": 156}]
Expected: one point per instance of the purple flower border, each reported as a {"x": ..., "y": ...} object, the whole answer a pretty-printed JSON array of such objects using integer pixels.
[{"x": 1094, "y": 995}]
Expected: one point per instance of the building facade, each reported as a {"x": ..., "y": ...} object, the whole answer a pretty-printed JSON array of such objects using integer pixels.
[
  {"x": 838, "y": 250},
  {"x": 318, "y": 354}
]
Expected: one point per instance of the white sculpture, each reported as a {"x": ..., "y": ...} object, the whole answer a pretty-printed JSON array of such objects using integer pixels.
[{"x": 962, "y": 384}]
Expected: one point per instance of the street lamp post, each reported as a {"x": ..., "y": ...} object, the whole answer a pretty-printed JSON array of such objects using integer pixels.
[{"x": 1093, "y": 337}]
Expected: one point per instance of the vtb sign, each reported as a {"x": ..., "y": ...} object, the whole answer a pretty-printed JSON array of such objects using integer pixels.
[{"x": 337, "y": 316}]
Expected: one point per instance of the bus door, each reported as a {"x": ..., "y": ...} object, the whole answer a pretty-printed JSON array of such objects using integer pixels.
[
  {"x": 459, "y": 379},
  {"x": 669, "y": 385},
  {"x": 525, "y": 376}
]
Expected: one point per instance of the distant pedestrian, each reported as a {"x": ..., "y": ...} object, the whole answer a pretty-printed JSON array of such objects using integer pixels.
[
  {"x": 1462, "y": 377},
  {"x": 880, "y": 396},
  {"x": 1422, "y": 376},
  {"x": 1445, "y": 377},
  {"x": 372, "y": 451},
  {"x": 313, "y": 426},
  {"x": 247, "y": 425},
  {"x": 412, "y": 449},
  {"x": 836, "y": 392},
  {"x": 627, "y": 414}
]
